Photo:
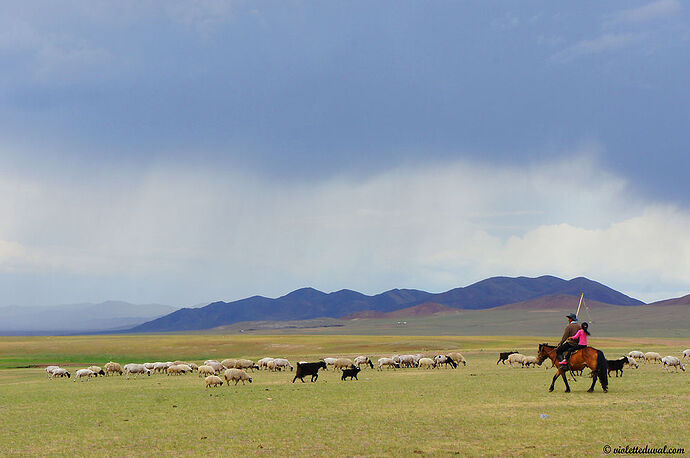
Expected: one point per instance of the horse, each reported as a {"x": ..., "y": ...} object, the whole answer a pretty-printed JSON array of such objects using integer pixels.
[{"x": 585, "y": 357}]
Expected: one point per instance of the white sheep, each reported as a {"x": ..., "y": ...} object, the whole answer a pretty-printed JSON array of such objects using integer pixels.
[
  {"x": 237, "y": 375},
  {"x": 283, "y": 363},
  {"x": 263, "y": 363},
  {"x": 193, "y": 367},
  {"x": 364, "y": 360},
  {"x": 632, "y": 362},
  {"x": 686, "y": 353},
  {"x": 530, "y": 360},
  {"x": 227, "y": 363},
  {"x": 443, "y": 359},
  {"x": 245, "y": 364},
  {"x": 97, "y": 370},
  {"x": 206, "y": 363},
  {"x": 458, "y": 358},
  {"x": 84, "y": 373},
  {"x": 205, "y": 370},
  {"x": 426, "y": 362},
  {"x": 159, "y": 367},
  {"x": 177, "y": 369},
  {"x": 151, "y": 366},
  {"x": 389, "y": 362},
  {"x": 112, "y": 368},
  {"x": 50, "y": 369},
  {"x": 672, "y": 361},
  {"x": 636, "y": 354},
  {"x": 652, "y": 356},
  {"x": 213, "y": 380},
  {"x": 217, "y": 367},
  {"x": 516, "y": 358},
  {"x": 407, "y": 361},
  {"x": 60, "y": 372},
  {"x": 136, "y": 369},
  {"x": 343, "y": 363},
  {"x": 330, "y": 362}
]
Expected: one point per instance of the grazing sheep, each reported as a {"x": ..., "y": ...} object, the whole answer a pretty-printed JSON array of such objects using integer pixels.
[
  {"x": 390, "y": 362},
  {"x": 458, "y": 358},
  {"x": 503, "y": 356},
  {"x": 632, "y": 363},
  {"x": 50, "y": 369},
  {"x": 636, "y": 354},
  {"x": 672, "y": 361},
  {"x": 444, "y": 359},
  {"x": 193, "y": 367},
  {"x": 686, "y": 353},
  {"x": 228, "y": 363},
  {"x": 60, "y": 372},
  {"x": 616, "y": 365},
  {"x": 396, "y": 358},
  {"x": 205, "y": 370},
  {"x": 363, "y": 360},
  {"x": 352, "y": 373},
  {"x": 206, "y": 363},
  {"x": 407, "y": 361},
  {"x": 330, "y": 361},
  {"x": 245, "y": 364},
  {"x": 213, "y": 380},
  {"x": 159, "y": 367},
  {"x": 136, "y": 369},
  {"x": 179, "y": 369},
  {"x": 263, "y": 363},
  {"x": 426, "y": 362},
  {"x": 272, "y": 367},
  {"x": 516, "y": 358},
  {"x": 530, "y": 360},
  {"x": 84, "y": 373},
  {"x": 217, "y": 367},
  {"x": 236, "y": 375},
  {"x": 304, "y": 369},
  {"x": 282, "y": 363},
  {"x": 652, "y": 356},
  {"x": 97, "y": 370},
  {"x": 150, "y": 366},
  {"x": 417, "y": 357},
  {"x": 343, "y": 363},
  {"x": 113, "y": 368}
]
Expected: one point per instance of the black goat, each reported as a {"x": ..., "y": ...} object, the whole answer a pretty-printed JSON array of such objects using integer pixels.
[
  {"x": 617, "y": 365},
  {"x": 352, "y": 373},
  {"x": 503, "y": 356},
  {"x": 304, "y": 369}
]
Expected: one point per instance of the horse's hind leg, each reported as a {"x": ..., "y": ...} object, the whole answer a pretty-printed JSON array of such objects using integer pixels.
[{"x": 594, "y": 382}]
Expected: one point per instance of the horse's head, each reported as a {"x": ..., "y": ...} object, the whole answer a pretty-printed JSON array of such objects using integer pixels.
[{"x": 543, "y": 353}]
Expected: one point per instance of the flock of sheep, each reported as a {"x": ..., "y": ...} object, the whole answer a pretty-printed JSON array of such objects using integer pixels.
[
  {"x": 236, "y": 369},
  {"x": 216, "y": 373}
]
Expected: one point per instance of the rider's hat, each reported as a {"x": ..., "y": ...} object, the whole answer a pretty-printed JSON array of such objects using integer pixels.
[{"x": 572, "y": 316}]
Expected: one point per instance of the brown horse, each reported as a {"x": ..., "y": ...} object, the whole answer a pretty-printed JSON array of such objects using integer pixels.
[{"x": 585, "y": 357}]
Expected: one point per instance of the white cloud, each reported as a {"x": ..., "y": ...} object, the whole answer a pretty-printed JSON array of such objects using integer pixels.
[
  {"x": 604, "y": 43},
  {"x": 433, "y": 227},
  {"x": 650, "y": 11}
]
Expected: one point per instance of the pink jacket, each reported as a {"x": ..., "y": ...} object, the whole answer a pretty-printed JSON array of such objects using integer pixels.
[{"x": 581, "y": 337}]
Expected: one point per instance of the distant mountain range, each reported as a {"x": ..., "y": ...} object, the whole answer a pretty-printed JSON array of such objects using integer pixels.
[
  {"x": 307, "y": 303},
  {"x": 72, "y": 318}
]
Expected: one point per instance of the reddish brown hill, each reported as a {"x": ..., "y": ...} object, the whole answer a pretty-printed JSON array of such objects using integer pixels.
[
  {"x": 556, "y": 302},
  {"x": 425, "y": 309},
  {"x": 685, "y": 300}
]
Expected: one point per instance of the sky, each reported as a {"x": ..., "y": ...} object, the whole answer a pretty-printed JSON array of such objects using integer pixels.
[{"x": 183, "y": 152}]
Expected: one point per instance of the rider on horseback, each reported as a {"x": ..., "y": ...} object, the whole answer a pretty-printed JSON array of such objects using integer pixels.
[
  {"x": 580, "y": 338},
  {"x": 570, "y": 330}
]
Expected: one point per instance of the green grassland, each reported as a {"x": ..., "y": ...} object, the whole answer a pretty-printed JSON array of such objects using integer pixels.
[{"x": 480, "y": 409}]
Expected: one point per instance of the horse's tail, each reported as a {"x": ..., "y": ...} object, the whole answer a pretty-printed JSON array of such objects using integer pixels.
[{"x": 602, "y": 370}]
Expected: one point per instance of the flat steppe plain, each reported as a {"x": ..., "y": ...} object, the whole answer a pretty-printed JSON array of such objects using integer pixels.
[{"x": 480, "y": 409}]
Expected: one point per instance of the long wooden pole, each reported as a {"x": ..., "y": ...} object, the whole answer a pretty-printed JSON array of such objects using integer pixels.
[{"x": 580, "y": 304}]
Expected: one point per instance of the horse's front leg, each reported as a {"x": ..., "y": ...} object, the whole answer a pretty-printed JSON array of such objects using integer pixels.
[
  {"x": 554, "y": 381},
  {"x": 565, "y": 380}
]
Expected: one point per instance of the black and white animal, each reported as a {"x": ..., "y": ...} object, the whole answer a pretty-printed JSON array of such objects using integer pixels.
[
  {"x": 352, "y": 373},
  {"x": 503, "y": 356},
  {"x": 304, "y": 369},
  {"x": 617, "y": 365}
]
